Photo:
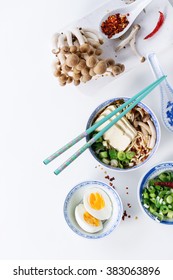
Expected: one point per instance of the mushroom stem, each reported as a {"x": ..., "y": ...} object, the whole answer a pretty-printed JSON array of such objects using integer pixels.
[
  {"x": 146, "y": 135},
  {"x": 91, "y": 35},
  {"x": 131, "y": 40},
  {"x": 76, "y": 43},
  {"x": 145, "y": 126},
  {"x": 127, "y": 40},
  {"x": 61, "y": 58},
  {"x": 134, "y": 49},
  {"x": 69, "y": 38},
  {"x": 61, "y": 40},
  {"x": 93, "y": 43},
  {"x": 55, "y": 43},
  {"x": 79, "y": 36},
  {"x": 153, "y": 134},
  {"x": 100, "y": 38},
  {"x": 106, "y": 74}
]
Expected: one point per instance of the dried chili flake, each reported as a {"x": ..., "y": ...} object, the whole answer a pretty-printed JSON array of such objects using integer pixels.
[
  {"x": 112, "y": 179},
  {"x": 114, "y": 24},
  {"x": 124, "y": 215}
]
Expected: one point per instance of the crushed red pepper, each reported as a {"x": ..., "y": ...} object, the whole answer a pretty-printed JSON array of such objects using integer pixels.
[
  {"x": 124, "y": 215},
  {"x": 112, "y": 179},
  {"x": 114, "y": 24}
]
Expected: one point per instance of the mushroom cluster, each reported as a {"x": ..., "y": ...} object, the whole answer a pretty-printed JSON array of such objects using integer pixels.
[
  {"x": 146, "y": 134},
  {"x": 141, "y": 119},
  {"x": 78, "y": 57}
]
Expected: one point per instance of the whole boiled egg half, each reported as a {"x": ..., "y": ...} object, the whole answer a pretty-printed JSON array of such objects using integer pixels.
[
  {"x": 97, "y": 203},
  {"x": 86, "y": 221}
]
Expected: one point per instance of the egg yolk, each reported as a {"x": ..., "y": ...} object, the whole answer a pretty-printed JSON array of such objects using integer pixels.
[
  {"x": 91, "y": 220},
  {"x": 96, "y": 201}
]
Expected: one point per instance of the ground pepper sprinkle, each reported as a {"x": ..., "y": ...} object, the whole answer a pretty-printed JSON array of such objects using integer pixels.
[
  {"x": 124, "y": 215},
  {"x": 114, "y": 24},
  {"x": 112, "y": 179}
]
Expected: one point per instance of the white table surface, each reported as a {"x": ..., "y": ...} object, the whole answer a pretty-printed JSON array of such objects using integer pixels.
[{"x": 37, "y": 116}]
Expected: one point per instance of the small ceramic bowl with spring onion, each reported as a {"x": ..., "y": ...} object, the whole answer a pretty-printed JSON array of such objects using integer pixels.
[
  {"x": 92, "y": 209},
  {"x": 155, "y": 193},
  {"x": 128, "y": 144}
]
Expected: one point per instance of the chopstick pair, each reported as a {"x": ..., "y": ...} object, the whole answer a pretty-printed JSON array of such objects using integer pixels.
[{"x": 132, "y": 101}]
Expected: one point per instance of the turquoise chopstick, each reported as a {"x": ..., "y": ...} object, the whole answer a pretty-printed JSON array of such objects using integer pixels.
[
  {"x": 93, "y": 127},
  {"x": 146, "y": 91}
]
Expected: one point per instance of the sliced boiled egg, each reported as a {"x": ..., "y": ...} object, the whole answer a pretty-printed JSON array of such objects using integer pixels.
[
  {"x": 86, "y": 221},
  {"x": 98, "y": 203}
]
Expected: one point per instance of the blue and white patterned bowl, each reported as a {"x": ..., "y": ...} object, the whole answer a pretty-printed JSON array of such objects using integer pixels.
[
  {"x": 143, "y": 183},
  {"x": 75, "y": 196},
  {"x": 154, "y": 119}
]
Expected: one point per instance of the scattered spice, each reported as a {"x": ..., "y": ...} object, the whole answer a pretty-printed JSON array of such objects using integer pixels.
[
  {"x": 136, "y": 218},
  {"x": 112, "y": 179},
  {"x": 114, "y": 24},
  {"x": 124, "y": 215},
  {"x": 157, "y": 27}
]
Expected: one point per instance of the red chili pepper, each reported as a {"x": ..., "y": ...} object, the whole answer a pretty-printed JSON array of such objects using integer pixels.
[
  {"x": 164, "y": 184},
  {"x": 158, "y": 25}
]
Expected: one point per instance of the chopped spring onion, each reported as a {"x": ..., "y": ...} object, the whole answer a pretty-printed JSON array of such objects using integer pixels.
[
  {"x": 111, "y": 156},
  {"x": 158, "y": 199},
  {"x": 121, "y": 156}
]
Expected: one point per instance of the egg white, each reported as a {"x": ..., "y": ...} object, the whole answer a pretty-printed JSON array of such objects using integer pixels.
[
  {"x": 102, "y": 214},
  {"x": 79, "y": 215}
]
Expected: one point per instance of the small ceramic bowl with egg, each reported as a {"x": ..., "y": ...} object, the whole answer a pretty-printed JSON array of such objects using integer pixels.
[
  {"x": 155, "y": 193},
  {"x": 92, "y": 209},
  {"x": 129, "y": 143}
]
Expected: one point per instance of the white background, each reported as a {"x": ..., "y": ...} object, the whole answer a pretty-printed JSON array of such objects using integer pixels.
[{"x": 37, "y": 116}]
